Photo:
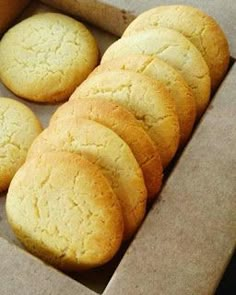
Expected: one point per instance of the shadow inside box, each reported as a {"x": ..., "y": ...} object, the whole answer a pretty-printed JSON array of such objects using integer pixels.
[
  {"x": 227, "y": 285},
  {"x": 97, "y": 279}
]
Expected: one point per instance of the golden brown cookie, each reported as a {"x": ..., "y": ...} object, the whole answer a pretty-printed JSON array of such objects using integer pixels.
[
  {"x": 101, "y": 146},
  {"x": 123, "y": 123},
  {"x": 147, "y": 99},
  {"x": 201, "y": 29},
  {"x": 44, "y": 57},
  {"x": 159, "y": 70},
  {"x": 18, "y": 128},
  {"x": 63, "y": 210},
  {"x": 176, "y": 50}
]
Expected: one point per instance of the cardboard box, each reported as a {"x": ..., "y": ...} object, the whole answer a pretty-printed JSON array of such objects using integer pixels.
[{"x": 188, "y": 236}]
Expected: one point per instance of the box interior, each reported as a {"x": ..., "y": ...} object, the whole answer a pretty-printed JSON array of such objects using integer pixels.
[{"x": 98, "y": 279}]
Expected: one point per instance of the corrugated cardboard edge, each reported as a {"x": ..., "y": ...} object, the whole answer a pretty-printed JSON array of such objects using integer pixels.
[{"x": 114, "y": 16}]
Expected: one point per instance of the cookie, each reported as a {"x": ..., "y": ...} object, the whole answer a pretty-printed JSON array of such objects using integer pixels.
[
  {"x": 123, "y": 123},
  {"x": 201, "y": 29},
  {"x": 147, "y": 99},
  {"x": 101, "y": 146},
  {"x": 159, "y": 70},
  {"x": 63, "y": 210},
  {"x": 176, "y": 50},
  {"x": 44, "y": 57},
  {"x": 18, "y": 128}
]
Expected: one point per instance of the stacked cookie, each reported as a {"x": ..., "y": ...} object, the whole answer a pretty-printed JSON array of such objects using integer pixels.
[{"x": 89, "y": 175}]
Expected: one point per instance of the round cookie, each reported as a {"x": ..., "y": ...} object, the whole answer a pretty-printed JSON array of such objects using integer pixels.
[
  {"x": 123, "y": 123},
  {"x": 147, "y": 99},
  {"x": 44, "y": 57},
  {"x": 201, "y": 29},
  {"x": 101, "y": 146},
  {"x": 19, "y": 127},
  {"x": 159, "y": 70},
  {"x": 176, "y": 50},
  {"x": 64, "y": 211}
]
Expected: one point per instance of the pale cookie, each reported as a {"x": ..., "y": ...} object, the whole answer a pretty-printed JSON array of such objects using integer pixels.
[
  {"x": 147, "y": 99},
  {"x": 201, "y": 29},
  {"x": 18, "y": 128},
  {"x": 176, "y": 50},
  {"x": 44, "y": 57},
  {"x": 123, "y": 123},
  {"x": 159, "y": 70},
  {"x": 105, "y": 148},
  {"x": 63, "y": 210}
]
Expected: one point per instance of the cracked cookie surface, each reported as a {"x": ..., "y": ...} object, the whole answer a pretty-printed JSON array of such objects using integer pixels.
[
  {"x": 122, "y": 122},
  {"x": 44, "y": 57},
  {"x": 176, "y": 50},
  {"x": 18, "y": 128},
  {"x": 201, "y": 29},
  {"x": 159, "y": 70},
  {"x": 147, "y": 99},
  {"x": 105, "y": 148},
  {"x": 63, "y": 210}
]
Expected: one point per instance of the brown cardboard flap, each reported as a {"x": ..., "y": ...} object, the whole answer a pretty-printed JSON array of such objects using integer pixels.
[{"x": 114, "y": 16}]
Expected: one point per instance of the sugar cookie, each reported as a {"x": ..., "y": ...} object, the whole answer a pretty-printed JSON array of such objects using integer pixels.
[
  {"x": 64, "y": 211},
  {"x": 44, "y": 57}
]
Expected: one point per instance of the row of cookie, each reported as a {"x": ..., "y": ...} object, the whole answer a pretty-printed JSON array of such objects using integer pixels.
[
  {"x": 184, "y": 37},
  {"x": 60, "y": 206},
  {"x": 108, "y": 135},
  {"x": 175, "y": 54},
  {"x": 128, "y": 114},
  {"x": 81, "y": 190},
  {"x": 21, "y": 50},
  {"x": 128, "y": 118}
]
